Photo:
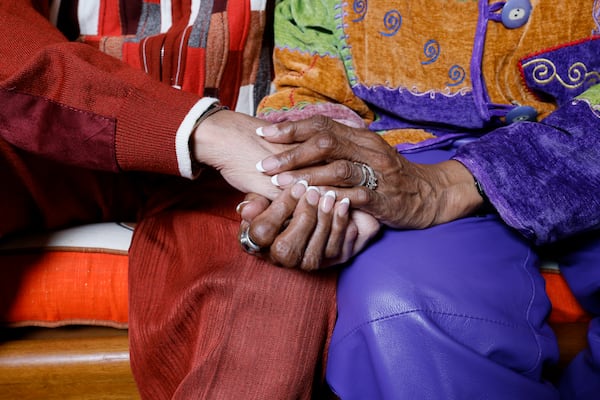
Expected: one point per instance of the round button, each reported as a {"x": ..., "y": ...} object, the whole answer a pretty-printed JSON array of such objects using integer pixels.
[
  {"x": 521, "y": 113},
  {"x": 515, "y": 13}
]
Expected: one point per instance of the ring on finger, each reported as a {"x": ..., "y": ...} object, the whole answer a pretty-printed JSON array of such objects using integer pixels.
[
  {"x": 247, "y": 243},
  {"x": 369, "y": 180}
]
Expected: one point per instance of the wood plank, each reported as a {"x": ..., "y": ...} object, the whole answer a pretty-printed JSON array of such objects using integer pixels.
[{"x": 72, "y": 367}]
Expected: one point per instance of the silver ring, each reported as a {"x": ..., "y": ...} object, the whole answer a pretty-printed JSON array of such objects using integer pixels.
[
  {"x": 247, "y": 244},
  {"x": 369, "y": 180}
]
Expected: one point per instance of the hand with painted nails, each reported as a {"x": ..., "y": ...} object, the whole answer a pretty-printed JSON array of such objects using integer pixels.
[
  {"x": 360, "y": 165},
  {"x": 305, "y": 229},
  {"x": 226, "y": 141}
]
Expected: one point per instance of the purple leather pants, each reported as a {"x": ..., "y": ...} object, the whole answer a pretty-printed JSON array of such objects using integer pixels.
[{"x": 457, "y": 311}]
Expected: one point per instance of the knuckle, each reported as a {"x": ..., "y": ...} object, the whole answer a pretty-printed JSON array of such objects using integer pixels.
[
  {"x": 321, "y": 123},
  {"x": 326, "y": 143},
  {"x": 263, "y": 233},
  {"x": 310, "y": 262},
  {"x": 363, "y": 195},
  {"x": 343, "y": 170},
  {"x": 282, "y": 251}
]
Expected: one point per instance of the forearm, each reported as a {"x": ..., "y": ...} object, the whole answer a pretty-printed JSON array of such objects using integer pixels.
[{"x": 542, "y": 178}]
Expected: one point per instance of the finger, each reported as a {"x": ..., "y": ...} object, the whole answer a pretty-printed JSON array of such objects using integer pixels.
[
  {"x": 367, "y": 226},
  {"x": 361, "y": 197},
  {"x": 348, "y": 249},
  {"x": 338, "y": 173},
  {"x": 299, "y": 131},
  {"x": 319, "y": 142},
  {"x": 339, "y": 225},
  {"x": 289, "y": 246},
  {"x": 253, "y": 205},
  {"x": 314, "y": 253},
  {"x": 267, "y": 225}
]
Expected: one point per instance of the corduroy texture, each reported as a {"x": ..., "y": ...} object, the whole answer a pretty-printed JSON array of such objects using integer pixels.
[
  {"x": 206, "y": 320},
  {"x": 209, "y": 321}
]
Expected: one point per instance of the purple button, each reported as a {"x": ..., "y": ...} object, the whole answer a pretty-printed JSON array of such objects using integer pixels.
[
  {"x": 521, "y": 113},
  {"x": 515, "y": 13}
]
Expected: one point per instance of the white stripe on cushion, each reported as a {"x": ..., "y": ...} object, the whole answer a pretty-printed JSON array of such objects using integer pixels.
[{"x": 107, "y": 236}]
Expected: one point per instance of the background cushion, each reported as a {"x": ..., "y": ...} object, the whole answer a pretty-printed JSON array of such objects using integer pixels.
[
  {"x": 72, "y": 276},
  {"x": 79, "y": 276}
]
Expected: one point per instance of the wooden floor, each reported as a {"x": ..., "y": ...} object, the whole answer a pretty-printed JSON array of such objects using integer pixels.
[
  {"x": 88, "y": 363},
  {"x": 65, "y": 363}
]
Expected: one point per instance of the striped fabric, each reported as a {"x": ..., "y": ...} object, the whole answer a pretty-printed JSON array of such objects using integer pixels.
[{"x": 189, "y": 44}]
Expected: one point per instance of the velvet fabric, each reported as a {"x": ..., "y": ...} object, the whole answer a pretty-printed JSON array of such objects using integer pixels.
[
  {"x": 552, "y": 191},
  {"x": 206, "y": 320}
]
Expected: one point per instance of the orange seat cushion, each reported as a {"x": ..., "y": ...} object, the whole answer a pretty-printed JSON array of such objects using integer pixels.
[
  {"x": 79, "y": 276},
  {"x": 66, "y": 278}
]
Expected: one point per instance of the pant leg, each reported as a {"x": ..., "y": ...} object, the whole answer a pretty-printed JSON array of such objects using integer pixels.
[
  {"x": 452, "y": 312},
  {"x": 579, "y": 261},
  {"x": 208, "y": 321}
]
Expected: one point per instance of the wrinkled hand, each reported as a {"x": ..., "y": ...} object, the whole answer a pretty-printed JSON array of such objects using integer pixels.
[
  {"x": 408, "y": 195},
  {"x": 227, "y": 142},
  {"x": 304, "y": 229}
]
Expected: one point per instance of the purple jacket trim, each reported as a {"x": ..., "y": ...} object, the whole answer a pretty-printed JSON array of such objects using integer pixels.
[{"x": 564, "y": 72}]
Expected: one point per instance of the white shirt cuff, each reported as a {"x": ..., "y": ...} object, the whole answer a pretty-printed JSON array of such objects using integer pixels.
[{"x": 184, "y": 132}]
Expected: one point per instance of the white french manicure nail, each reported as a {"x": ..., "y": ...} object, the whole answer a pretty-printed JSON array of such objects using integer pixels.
[
  {"x": 259, "y": 131},
  {"x": 274, "y": 180},
  {"x": 345, "y": 200},
  {"x": 238, "y": 209},
  {"x": 259, "y": 166},
  {"x": 303, "y": 182},
  {"x": 330, "y": 193}
]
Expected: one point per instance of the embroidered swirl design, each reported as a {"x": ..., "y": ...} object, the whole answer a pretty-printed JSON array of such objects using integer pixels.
[
  {"x": 545, "y": 72},
  {"x": 431, "y": 51},
  {"x": 457, "y": 75},
  {"x": 360, "y": 7},
  {"x": 392, "y": 22}
]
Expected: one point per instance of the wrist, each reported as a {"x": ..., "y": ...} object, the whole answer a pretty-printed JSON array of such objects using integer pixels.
[
  {"x": 459, "y": 196},
  {"x": 204, "y": 135}
]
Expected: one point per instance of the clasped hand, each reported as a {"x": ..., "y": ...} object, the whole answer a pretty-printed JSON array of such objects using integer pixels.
[{"x": 311, "y": 227}]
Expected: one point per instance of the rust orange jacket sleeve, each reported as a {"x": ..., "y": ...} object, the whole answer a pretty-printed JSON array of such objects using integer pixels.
[{"x": 69, "y": 102}]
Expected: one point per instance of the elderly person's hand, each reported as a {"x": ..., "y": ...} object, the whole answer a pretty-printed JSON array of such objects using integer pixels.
[
  {"x": 364, "y": 168},
  {"x": 303, "y": 228}
]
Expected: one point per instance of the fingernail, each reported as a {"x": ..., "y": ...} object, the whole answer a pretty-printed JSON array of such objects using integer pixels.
[
  {"x": 259, "y": 131},
  {"x": 313, "y": 195},
  {"x": 269, "y": 130},
  {"x": 238, "y": 208},
  {"x": 299, "y": 188},
  {"x": 282, "y": 179},
  {"x": 267, "y": 164},
  {"x": 343, "y": 207},
  {"x": 328, "y": 201}
]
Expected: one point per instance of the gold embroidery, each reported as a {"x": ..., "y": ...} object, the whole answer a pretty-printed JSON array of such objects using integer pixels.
[{"x": 544, "y": 72}]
